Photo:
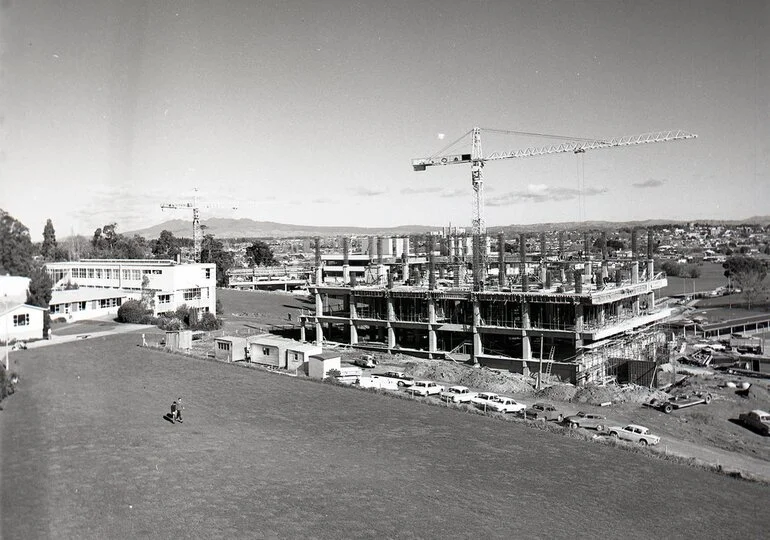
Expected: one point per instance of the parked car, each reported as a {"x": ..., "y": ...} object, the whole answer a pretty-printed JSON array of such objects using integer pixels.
[
  {"x": 506, "y": 405},
  {"x": 424, "y": 388},
  {"x": 634, "y": 433},
  {"x": 482, "y": 400},
  {"x": 756, "y": 420},
  {"x": 587, "y": 420},
  {"x": 680, "y": 401},
  {"x": 401, "y": 378},
  {"x": 543, "y": 411},
  {"x": 366, "y": 361},
  {"x": 458, "y": 394}
]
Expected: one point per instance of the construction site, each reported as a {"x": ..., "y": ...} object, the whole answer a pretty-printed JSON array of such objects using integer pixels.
[{"x": 551, "y": 312}]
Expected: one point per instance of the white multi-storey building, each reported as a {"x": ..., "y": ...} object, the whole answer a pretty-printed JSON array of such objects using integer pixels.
[{"x": 169, "y": 284}]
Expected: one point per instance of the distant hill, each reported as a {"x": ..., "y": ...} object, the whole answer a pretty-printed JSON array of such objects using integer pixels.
[{"x": 248, "y": 228}]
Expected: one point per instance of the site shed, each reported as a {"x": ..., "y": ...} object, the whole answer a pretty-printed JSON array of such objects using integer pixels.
[
  {"x": 179, "y": 339},
  {"x": 230, "y": 348},
  {"x": 298, "y": 355},
  {"x": 320, "y": 364}
]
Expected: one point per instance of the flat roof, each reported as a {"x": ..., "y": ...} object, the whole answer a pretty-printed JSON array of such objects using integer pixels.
[{"x": 326, "y": 356}]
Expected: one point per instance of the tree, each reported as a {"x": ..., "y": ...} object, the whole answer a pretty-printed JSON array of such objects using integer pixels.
[
  {"x": 15, "y": 246},
  {"x": 167, "y": 246},
  {"x": 131, "y": 311},
  {"x": 749, "y": 275},
  {"x": 39, "y": 294},
  {"x": 48, "y": 248},
  {"x": 148, "y": 295},
  {"x": 212, "y": 251},
  {"x": 260, "y": 254}
]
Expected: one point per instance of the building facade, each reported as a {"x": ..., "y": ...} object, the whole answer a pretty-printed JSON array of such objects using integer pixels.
[{"x": 167, "y": 284}]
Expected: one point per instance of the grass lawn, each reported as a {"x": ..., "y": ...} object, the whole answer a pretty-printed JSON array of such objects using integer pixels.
[
  {"x": 711, "y": 276},
  {"x": 87, "y": 454}
]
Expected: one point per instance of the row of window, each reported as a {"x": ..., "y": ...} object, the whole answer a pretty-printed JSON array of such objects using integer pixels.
[
  {"x": 112, "y": 273},
  {"x": 21, "y": 320},
  {"x": 102, "y": 303}
]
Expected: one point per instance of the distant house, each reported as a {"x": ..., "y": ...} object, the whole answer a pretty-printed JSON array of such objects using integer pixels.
[{"x": 21, "y": 322}]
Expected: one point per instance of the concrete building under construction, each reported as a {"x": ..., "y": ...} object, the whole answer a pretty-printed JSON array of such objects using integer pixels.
[{"x": 548, "y": 311}]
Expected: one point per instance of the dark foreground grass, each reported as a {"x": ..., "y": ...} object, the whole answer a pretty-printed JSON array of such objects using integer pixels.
[{"x": 87, "y": 454}]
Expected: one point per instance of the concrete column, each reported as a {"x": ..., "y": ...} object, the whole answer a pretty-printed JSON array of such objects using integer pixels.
[
  {"x": 561, "y": 244},
  {"x": 382, "y": 274},
  {"x": 601, "y": 314},
  {"x": 431, "y": 272},
  {"x": 635, "y": 306},
  {"x": 405, "y": 259},
  {"x": 478, "y": 349},
  {"x": 319, "y": 304},
  {"x": 353, "y": 334},
  {"x": 345, "y": 260},
  {"x": 542, "y": 246},
  {"x": 650, "y": 269},
  {"x": 635, "y": 272},
  {"x": 634, "y": 246},
  {"x": 605, "y": 271},
  {"x": 563, "y": 275},
  {"x": 579, "y": 317},
  {"x": 431, "y": 321},
  {"x": 650, "y": 300},
  {"x": 302, "y": 334},
  {"x": 526, "y": 345},
  {"x": 391, "y": 318},
  {"x": 319, "y": 334},
  {"x": 543, "y": 275},
  {"x": 578, "y": 282}
]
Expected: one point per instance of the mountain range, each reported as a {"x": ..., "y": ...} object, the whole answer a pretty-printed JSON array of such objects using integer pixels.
[{"x": 249, "y": 228}]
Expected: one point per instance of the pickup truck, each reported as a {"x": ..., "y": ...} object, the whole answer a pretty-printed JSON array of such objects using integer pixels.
[
  {"x": 424, "y": 388},
  {"x": 680, "y": 401},
  {"x": 756, "y": 420}
]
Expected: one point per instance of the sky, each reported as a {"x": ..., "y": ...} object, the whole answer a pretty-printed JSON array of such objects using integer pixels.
[{"x": 310, "y": 112}]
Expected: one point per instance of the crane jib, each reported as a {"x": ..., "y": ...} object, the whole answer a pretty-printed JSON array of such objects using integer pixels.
[{"x": 420, "y": 164}]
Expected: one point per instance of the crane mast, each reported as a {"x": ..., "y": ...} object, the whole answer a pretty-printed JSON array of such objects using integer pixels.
[{"x": 197, "y": 233}]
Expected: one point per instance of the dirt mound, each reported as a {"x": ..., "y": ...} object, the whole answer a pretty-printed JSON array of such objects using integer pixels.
[
  {"x": 596, "y": 395},
  {"x": 501, "y": 382},
  {"x": 757, "y": 393},
  {"x": 557, "y": 392}
]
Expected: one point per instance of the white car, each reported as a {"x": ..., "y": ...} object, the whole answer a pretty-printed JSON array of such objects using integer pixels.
[
  {"x": 483, "y": 400},
  {"x": 634, "y": 433},
  {"x": 425, "y": 388},
  {"x": 506, "y": 405},
  {"x": 458, "y": 394}
]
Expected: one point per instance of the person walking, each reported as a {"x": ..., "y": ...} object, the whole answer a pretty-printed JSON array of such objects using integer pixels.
[
  {"x": 179, "y": 408},
  {"x": 174, "y": 408}
]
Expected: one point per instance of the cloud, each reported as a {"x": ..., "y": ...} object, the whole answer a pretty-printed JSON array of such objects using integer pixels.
[
  {"x": 456, "y": 193},
  {"x": 538, "y": 193},
  {"x": 368, "y": 191},
  {"x": 417, "y": 190},
  {"x": 322, "y": 200},
  {"x": 651, "y": 183}
]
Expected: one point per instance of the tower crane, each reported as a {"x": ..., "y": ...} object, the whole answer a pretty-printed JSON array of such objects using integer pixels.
[
  {"x": 477, "y": 160},
  {"x": 197, "y": 232}
]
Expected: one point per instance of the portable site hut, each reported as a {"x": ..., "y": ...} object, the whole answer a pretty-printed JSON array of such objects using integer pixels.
[
  {"x": 230, "y": 348},
  {"x": 298, "y": 355},
  {"x": 179, "y": 339},
  {"x": 320, "y": 364}
]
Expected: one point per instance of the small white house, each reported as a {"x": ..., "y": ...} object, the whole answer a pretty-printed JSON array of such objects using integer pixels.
[
  {"x": 320, "y": 364},
  {"x": 21, "y": 322}
]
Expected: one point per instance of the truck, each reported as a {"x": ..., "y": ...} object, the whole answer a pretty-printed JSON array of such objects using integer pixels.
[{"x": 756, "y": 420}]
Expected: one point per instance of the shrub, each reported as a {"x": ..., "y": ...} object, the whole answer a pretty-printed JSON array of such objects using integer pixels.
[
  {"x": 170, "y": 323},
  {"x": 131, "y": 311},
  {"x": 7, "y": 386},
  {"x": 148, "y": 319},
  {"x": 209, "y": 321}
]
